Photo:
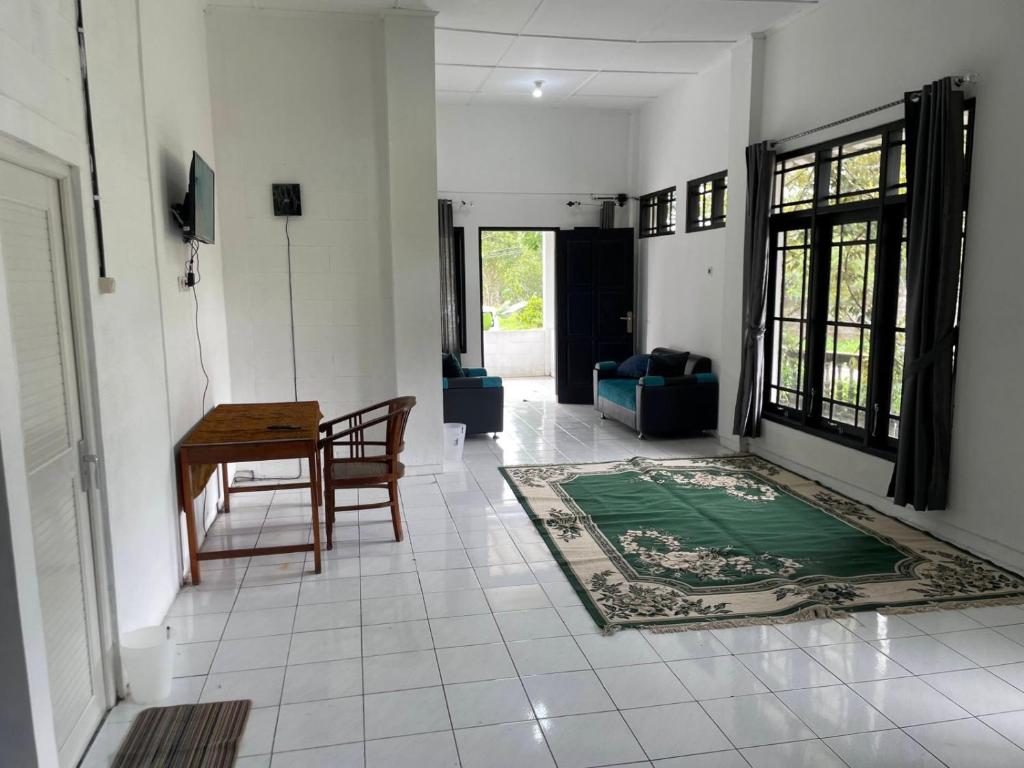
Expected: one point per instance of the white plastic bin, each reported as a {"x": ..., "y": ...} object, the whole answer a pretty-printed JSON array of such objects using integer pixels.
[
  {"x": 147, "y": 655},
  {"x": 454, "y": 442}
]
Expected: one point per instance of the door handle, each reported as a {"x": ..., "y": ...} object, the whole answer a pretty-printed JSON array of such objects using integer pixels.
[
  {"x": 86, "y": 462},
  {"x": 628, "y": 317}
]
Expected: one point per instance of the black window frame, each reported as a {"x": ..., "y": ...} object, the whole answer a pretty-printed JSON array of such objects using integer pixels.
[
  {"x": 717, "y": 195},
  {"x": 888, "y": 210},
  {"x": 658, "y": 213}
]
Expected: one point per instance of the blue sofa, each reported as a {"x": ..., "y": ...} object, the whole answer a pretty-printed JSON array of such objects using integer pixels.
[
  {"x": 476, "y": 400},
  {"x": 659, "y": 405}
]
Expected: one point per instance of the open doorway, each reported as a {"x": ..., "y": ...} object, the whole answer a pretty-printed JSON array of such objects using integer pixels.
[{"x": 517, "y": 290}]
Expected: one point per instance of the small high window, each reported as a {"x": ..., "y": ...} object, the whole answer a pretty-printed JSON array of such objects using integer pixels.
[
  {"x": 658, "y": 213},
  {"x": 706, "y": 201}
]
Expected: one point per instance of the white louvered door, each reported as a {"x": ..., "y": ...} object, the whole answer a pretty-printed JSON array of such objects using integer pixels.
[{"x": 35, "y": 273}]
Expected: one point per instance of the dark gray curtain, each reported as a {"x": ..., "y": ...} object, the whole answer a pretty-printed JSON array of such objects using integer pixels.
[
  {"x": 935, "y": 176},
  {"x": 750, "y": 395},
  {"x": 449, "y": 308}
]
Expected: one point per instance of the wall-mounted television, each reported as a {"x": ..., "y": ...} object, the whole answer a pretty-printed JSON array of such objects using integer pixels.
[{"x": 195, "y": 214}]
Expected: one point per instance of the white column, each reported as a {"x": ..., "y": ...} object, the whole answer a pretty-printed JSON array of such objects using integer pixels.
[
  {"x": 744, "y": 128},
  {"x": 412, "y": 197}
]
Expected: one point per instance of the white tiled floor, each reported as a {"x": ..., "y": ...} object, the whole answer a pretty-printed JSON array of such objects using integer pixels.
[{"x": 464, "y": 645}]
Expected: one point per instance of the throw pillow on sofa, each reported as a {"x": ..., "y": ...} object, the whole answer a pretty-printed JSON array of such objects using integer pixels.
[
  {"x": 668, "y": 365},
  {"x": 451, "y": 368},
  {"x": 633, "y": 367}
]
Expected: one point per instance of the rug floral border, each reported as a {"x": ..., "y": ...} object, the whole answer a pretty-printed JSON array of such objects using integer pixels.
[{"x": 821, "y": 595}]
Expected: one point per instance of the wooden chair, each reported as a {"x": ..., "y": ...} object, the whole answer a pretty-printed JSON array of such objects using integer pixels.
[{"x": 360, "y": 469}]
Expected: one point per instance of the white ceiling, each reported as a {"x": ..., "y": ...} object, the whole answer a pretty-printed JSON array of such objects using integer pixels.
[{"x": 601, "y": 53}]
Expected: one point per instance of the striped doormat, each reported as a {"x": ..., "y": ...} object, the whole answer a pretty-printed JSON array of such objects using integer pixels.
[{"x": 186, "y": 736}]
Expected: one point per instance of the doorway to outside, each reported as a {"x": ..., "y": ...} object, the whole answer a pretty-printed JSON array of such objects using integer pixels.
[{"x": 517, "y": 298}]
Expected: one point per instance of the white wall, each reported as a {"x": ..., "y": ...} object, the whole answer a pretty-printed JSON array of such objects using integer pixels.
[
  {"x": 800, "y": 76},
  {"x": 315, "y": 98},
  {"x": 146, "y": 124},
  {"x": 680, "y": 137},
  {"x": 899, "y": 46},
  {"x": 142, "y": 151},
  {"x": 517, "y": 166},
  {"x": 512, "y": 354},
  {"x": 411, "y": 173},
  {"x": 176, "y": 86},
  {"x": 325, "y": 136}
]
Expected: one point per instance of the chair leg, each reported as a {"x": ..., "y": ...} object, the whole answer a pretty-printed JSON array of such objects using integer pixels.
[
  {"x": 396, "y": 516},
  {"x": 329, "y": 515}
]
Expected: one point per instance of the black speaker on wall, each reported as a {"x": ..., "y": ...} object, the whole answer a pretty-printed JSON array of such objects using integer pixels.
[{"x": 287, "y": 199}]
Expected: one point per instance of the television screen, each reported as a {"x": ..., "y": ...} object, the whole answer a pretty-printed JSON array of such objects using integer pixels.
[{"x": 200, "y": 187}]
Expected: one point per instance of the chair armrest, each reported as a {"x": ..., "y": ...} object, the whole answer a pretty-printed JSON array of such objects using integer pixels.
[
  {"x": 677, "y": 404},
  {"x": 331, "y": 437},
  {"x": 605, "y": 369},
  {"x": 473, "y": 372},
  {"x": 689, "y": 380}
]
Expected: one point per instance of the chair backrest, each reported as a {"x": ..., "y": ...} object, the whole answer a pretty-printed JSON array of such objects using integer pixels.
[{"x": 398, "y": 416}]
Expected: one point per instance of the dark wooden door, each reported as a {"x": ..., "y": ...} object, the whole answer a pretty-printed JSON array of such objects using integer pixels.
[{"x": 594, "y": 306}]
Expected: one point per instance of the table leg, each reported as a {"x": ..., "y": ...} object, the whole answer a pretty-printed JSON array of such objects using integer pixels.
[
  {"x": 225, "y": 485},
  {"x": 190, "y": 517},
  {"x": 314, "y": 500}
]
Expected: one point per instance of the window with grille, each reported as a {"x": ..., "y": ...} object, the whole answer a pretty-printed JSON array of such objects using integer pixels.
[
  {"x": 658, "y": 213},
  {"x": 706, "y": 201},
  {"x": 836, "y": 337}
]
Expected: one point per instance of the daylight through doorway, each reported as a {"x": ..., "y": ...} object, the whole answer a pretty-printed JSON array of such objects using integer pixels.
[{"x": 517, "y": 285}]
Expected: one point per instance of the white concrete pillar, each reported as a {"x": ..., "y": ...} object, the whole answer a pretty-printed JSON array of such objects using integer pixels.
[{"x": 412, "y": 196}]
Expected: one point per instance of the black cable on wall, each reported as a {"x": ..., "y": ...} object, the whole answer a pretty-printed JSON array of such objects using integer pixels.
[{"x": 93, "y": 174}]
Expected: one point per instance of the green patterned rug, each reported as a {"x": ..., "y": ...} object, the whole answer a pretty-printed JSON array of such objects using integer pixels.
[{"x": 728, "y": 541}]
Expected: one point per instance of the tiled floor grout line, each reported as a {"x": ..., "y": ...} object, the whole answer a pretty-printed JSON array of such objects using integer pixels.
[
  {"x": 579, "y": 649},
  {"x": 433, "y": 646},
  {"x": 699, "y": 703},
  {"x": 542, "y": 437},
  {"x": 501, "y": 634},
  {"x": 362, "y": 654},
  {"x": 288, "y": 655},
  {"x": 903, "y": 730}
]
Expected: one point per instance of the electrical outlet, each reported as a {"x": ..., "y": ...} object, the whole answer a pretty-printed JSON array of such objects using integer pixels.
[{"x": 182, "y": 284}]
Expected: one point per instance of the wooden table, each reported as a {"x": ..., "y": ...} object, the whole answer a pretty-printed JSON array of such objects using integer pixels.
[{"x": 245, "y": 432}]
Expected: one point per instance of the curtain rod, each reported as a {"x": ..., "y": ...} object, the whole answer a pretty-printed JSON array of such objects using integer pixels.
[{"x": 959, "y": 81}]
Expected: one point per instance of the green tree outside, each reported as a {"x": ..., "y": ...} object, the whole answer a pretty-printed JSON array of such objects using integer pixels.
[
  {"x": 851, "y": 280},
  {"x": 513, "y": 274}
]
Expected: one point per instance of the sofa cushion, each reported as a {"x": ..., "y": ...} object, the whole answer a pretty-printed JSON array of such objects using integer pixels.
[
  {"x": 667, "y": 364},
  {"x": 698, "y": 364},
  {"x": 619, "y": 391},
  {"x": 451, "y": 368},
  {"x": 634, "y": 367},
  {"x": 473, "y": 382}
]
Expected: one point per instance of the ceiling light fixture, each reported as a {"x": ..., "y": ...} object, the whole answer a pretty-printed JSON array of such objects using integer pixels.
[{"x": 537, "y": 85}]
